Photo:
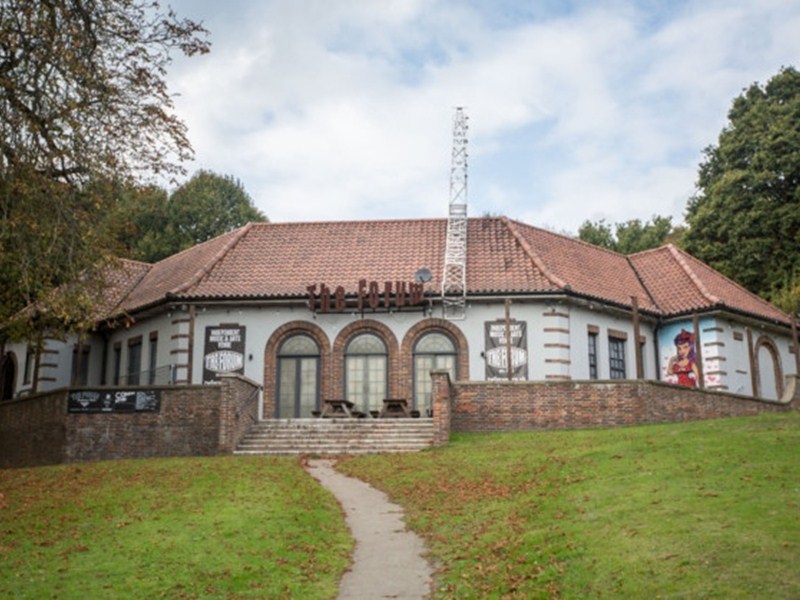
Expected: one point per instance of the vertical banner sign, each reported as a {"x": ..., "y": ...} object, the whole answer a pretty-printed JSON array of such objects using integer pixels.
[
  {"x": 223, "y": 351},
  {"x": 496, "y": 350}
]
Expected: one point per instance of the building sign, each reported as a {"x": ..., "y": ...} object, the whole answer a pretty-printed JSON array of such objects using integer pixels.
[
  {"x": 223, "y": 351},
  {"x": 371, "y": 295},
  {"x": 497, "y": 350},
  {"x": 115, "y": 401}
]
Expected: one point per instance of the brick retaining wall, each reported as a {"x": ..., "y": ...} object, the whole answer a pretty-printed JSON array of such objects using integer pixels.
[
  {"x": 536, "y": 405},
  {"x": 197, "y": 420}
]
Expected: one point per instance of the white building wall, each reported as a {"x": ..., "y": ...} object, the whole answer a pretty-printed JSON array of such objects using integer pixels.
[{"x": 556, "y": 341}]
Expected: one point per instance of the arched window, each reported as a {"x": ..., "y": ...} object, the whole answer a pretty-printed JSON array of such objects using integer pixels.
[
  {"x": 366, "y": 377},
  {"x": 433, "y": 351},
  {"x": 298, "y": 377}
]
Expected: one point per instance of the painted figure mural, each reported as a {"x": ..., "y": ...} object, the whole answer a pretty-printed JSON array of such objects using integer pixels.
[{"x": 682, "y": 366}]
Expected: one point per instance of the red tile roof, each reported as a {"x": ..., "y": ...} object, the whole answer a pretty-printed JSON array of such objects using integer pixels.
[
  {"x": 279, "y": 260},
  {"x": 680, "y": 284}
]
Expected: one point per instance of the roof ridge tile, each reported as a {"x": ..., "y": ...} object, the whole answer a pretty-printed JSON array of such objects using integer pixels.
[
  {"x": 684, "y": 264},
  {"x": 535, "y": 258},
  {"x": 208, "y": 266}
]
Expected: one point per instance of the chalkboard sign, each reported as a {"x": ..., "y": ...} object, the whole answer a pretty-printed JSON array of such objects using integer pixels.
[
  {"x": 223, "y": 351},
  {"x": 114, "y": 401}
]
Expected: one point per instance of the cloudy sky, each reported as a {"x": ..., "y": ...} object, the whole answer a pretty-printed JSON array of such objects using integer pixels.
[{"x": 343, "y": 109}]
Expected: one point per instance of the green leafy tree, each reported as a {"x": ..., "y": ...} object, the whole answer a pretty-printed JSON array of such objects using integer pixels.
[
  {"x": 83, "y": 101},
  {"x": 631, "y": 236},
  {"x": 204, "y": 207},
  {"x": 744, "y": 219},
  {"x": 598, "y": 233},
  {"x": 138, "y": 222}
]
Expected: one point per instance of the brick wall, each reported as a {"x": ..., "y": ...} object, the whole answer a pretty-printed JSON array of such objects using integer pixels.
[
  {"x": 33, "y": 430},
  {"x": 510, "y": 406},
  {"x": 199, "y": 420}
]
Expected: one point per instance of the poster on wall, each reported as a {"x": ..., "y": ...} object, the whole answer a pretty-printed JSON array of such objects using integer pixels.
[
  {"x": 496, "y": 350},
  {"x": 116, "y": 401},
  {"x": 680, "y": 352},
  {"x": 223, "y": 351}
]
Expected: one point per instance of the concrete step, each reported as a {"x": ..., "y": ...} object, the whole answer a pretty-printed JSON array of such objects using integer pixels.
[{"x": 337, "y": 436}]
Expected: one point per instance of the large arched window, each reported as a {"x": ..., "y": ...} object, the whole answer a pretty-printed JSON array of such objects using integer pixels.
[
  {"x": 433, "y": 351},
  {"x": 366, "y": 380},
  {"x": 298, "y": 377}
]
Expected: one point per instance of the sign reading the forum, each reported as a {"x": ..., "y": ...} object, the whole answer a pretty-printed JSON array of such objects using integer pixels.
[
  {"x": 370, "y": 295},
  {"x": 115, "y": 401},
  {"x": 499, "y": 348},
  {"x": 223, "y": 351}
]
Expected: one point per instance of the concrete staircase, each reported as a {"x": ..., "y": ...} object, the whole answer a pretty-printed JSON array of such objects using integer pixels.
[{"x": 337, "y": 436}]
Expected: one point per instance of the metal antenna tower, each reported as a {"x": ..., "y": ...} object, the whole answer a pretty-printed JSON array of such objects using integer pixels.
[{"x": 454, "y": 284}]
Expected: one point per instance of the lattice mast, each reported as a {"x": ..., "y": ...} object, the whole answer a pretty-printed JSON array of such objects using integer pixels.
[{"x": 454, "y": 280}]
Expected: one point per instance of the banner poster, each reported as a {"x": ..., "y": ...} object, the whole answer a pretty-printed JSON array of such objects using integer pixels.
[
  {"x": 223, "y": 351},
  {"x": 679, "y": 352},
  {"x": 496, "y": 350},
  {"x": 114, "y": 401}
]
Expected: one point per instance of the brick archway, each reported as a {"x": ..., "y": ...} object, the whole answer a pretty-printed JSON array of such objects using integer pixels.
[
  {"x": 428, "y": 326},
  {"x": 271, "y": 360},
  {"x": 350, "y": 331},
  {"x": 765, "y": 342}
]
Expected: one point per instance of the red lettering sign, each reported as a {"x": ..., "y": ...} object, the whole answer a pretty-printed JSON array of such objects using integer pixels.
[{"x": 368, "y": 295}]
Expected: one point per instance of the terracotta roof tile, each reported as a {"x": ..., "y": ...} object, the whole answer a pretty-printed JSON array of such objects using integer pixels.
[
  {"x": 120, "y": 280},
  {"x": 587, "y": 270},
  {"x": 280, "y": 260},
  {"x": 680, "y": 284},
  {"x": 172, "y": 274}
]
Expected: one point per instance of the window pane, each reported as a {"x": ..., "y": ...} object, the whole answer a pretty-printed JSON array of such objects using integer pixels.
[
  {"x": 153, "y": 360},
  {"x": 308, "y": 386},
  {"x": 616, "y": 351},
  {"x": 134, "y": 363},
  {"x": 287, "y": 389},
  {"x": 299, "y": 345},
  {"x": 593, "y": 356},
  {"x": 435, "y": 343},
  {"x": 366, "y": 343},
  {"x": 366, "y": 381}
]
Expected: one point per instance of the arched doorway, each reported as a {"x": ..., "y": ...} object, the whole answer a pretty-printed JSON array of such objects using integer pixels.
[
  {"x": 8, "y": 376},
  {"x": 298, "y": 377},
  {"x": 770, "y": 374},
  {"x": 366, "y": 371},
  {"x": 433, "y": 351}
]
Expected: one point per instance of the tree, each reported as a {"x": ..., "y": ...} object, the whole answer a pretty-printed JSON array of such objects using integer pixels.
[
  {"x": 83, "y": 102},
  {"x": 149, "y": 225},
  {"x": 744, "y": 219},
  {"x": 631, "y": 236},
  {"x": 206, "y": 206}
]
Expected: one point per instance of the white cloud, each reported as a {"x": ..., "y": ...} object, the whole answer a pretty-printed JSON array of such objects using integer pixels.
[{"x": 342, "y": 110}]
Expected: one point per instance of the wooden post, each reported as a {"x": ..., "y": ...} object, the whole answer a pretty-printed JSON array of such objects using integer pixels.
[
  {"x": 637, "y": 346},
  {"x": 753, "y": 366},
  {"x": 796, "y": 346},
  {"x": 698, "y": 348},
  {"x": 509, "y": 369}
]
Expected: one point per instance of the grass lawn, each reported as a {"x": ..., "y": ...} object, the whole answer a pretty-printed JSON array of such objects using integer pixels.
[
  {"x": 228, "y": 527},
  {"x": 701, "y": 510}
]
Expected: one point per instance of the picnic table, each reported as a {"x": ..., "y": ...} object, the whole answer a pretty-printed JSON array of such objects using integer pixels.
[
  {"x": 336, "y": 407},
  {"x": 395, "y": 407}
]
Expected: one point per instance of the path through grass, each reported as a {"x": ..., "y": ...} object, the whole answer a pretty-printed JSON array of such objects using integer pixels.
[{"x": 700, "y": 510}]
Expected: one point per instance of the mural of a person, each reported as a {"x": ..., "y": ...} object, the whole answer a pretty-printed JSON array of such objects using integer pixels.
[{"x": 682, "y": 367}]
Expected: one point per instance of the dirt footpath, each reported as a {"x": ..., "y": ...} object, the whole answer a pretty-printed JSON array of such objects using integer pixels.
[{"x": 388, "y": 561}]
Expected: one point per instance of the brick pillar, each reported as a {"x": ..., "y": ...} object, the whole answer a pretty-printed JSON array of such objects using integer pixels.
[
  {"x": 238, "y": 410},
  {"x": 442, "y": 404}
]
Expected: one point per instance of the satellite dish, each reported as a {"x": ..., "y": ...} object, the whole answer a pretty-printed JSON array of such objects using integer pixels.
[{"x": 424, "y": 275}]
